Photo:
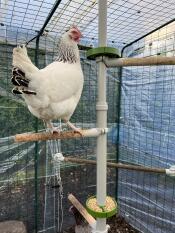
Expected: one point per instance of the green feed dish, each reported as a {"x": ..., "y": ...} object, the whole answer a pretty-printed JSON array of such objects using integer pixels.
[
  {"x": 106, "y": 211},
  {"x": 103, "y": 51}
]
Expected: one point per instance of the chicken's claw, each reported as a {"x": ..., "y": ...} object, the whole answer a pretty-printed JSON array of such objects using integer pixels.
[
  {"x": 51, "y": 129},
  {"x": 78, "y": 131},
  {"x": 74, "y": 128},
  {"x": 55, "y": 131}
]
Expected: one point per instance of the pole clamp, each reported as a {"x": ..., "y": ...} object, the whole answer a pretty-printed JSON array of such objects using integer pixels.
[
  {"x": 101, "y": 106},
  {"x": 170, "y": 171},
  {"x": 102, "y": 59},
  {"x": 104, "y": 130}
]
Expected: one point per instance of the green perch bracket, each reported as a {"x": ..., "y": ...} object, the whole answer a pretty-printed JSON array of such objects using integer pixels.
[{"x": 103, "y": 51}]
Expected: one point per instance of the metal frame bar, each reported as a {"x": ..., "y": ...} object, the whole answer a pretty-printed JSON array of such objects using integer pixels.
[
  {"x": 36, "y": 150},
  {"x": 49, "y": 17}
]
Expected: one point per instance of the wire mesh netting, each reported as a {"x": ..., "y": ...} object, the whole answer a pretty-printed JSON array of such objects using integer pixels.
[
  {"x": 146, "y": 134},
  {"x": 127, "y": 19},
  {"x": 146, "y": 129}
]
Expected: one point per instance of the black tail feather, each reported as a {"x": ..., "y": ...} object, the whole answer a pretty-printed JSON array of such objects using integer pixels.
[
  {"x": 20, "y": 82},
  {"x": 29, "y": 92},
  {"x": 17, "y": 71},
  {"x": 18, "y": 91},
  {"x": 18, "y": 78}
]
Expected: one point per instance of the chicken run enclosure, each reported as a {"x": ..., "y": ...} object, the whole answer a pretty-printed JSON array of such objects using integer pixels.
[{"x": 140, "y": 116}]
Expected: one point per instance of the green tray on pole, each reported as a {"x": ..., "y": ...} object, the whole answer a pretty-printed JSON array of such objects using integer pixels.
[
  {"x": 103, "y": 51},
  {"x": 102, "y": 213}
]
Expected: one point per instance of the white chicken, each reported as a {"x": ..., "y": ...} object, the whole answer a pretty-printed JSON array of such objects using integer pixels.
[{"x": 53, "y": 92}]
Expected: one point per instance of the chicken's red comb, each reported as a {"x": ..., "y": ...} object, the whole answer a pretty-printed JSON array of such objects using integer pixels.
[{"x": 76, "y": 28}]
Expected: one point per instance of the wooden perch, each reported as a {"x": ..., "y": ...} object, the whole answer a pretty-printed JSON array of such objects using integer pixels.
[
  {"x": 117, "y": 165},
  {"x": 29, "y": 137},
  {"x": 145, "y": 61},
  {"x": 81, "y": 209}
]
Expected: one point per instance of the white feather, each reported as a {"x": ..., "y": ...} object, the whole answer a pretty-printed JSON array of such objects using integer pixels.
[{"x": 58, "y": 88}]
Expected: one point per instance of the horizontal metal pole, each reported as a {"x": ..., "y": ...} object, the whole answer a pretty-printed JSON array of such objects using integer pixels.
[
  {"x": 117, "y": 165},
  {"x": 145, "y": 61},
  {"x": 29, "y": 137}
]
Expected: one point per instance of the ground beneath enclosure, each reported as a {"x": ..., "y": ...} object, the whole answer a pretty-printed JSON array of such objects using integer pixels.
[{"x": 117, "y": 225}]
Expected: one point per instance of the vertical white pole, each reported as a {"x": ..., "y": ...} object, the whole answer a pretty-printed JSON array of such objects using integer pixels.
[{"x": 101, "y": 108}]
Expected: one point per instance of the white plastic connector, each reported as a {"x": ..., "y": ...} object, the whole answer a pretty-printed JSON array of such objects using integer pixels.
[
  {"x": 104, "y": 131},
  {"x": 170, "y": 171},
  {"x": 101, "y": 106},
  {"x": 99, "y": 59},
  {"x": 105, "y": 231},
  {"x": 58, "y": 157},
  {"x": 102, "y": 59}
]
